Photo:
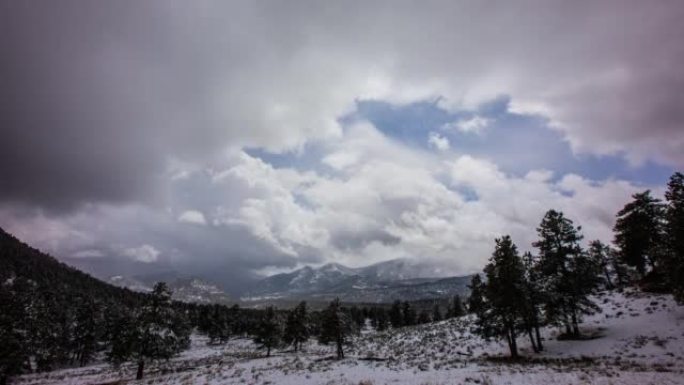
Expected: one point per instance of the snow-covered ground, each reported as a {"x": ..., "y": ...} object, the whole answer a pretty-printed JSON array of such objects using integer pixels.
[{"x": 638, "y": 339}]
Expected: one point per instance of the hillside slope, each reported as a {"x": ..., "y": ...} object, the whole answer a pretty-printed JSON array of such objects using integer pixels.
[{"x": 637, "y": 339}]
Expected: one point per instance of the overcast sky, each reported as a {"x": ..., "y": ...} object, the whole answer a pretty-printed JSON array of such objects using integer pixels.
[{"x": 235, "y": 138}]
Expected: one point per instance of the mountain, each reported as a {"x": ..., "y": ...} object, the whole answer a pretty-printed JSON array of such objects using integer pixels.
[
  {"x": 185, "y": 289},
  {"x": 63, "y": 284},
  {"x": 380, "y": 282}
]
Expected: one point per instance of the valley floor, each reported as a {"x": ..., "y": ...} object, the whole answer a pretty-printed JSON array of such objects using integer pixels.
[{"x": 637, "y": 339}]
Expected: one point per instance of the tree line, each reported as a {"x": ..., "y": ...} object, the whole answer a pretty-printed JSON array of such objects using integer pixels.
[{"x": 522, "y": 293}]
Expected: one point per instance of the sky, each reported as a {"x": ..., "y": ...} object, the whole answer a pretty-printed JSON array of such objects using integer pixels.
[{"x": 236, "y": 139}]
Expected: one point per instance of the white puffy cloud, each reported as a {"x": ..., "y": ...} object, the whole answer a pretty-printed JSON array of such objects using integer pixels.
[
  {"x": 473, "y": 125},
  {"x": 402, "y": 202},
  {"x": 438, "y": 141},
  {"x": 192, "y": 216}
]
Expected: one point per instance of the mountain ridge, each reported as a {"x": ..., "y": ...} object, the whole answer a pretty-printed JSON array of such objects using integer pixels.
[{"x": 380, "y": 282}]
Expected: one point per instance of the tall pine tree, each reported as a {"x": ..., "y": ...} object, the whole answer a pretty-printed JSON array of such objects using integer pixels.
[
  {"x": 336, "y": 327},
  {"x": 639, "y": 232},
  {"x": 157, "y": 331},
  {"x": 297, "y": 326},
  {"x": 568, "y": 276},
  {"x": 269, "y": 333},
  {"x": 505, "y": 294}
]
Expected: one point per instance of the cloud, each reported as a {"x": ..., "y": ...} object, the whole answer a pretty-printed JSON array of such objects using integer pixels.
[
  {"x": 192, "y": 216},
  {"x": 472, "y": 125},
  {"x": 438, "y": 141},
  {"x": 88, "y": 253},
  {"x": 144, "y": 253},
  {"x": 101, "y": 97},
  {"x": 117, "y": 118}
]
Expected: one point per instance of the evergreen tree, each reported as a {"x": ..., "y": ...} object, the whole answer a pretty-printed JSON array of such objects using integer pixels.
[
  {"x": 505, "y": 295},
  {"x": 268, "y": 334},
  {"x": 381, "y": 321},
  {"x": 436, "y": 313},
  {"x": 87, "y": 330},
  {"x": 639, "y": 232},
  {"x": 219, "y": 325},
  {"x": 456, "y": 308},
  {"x": 423, "y": 317},
  {"x": 675, "y": 234},
  {"x": 534, "y": 298},
  {"x": 408, "y": 314},
  {"x": 296, "y": 326},
  {"x": 396, "y": 317},
  {"x": 156, "y": 331},
  {"x": 567, "y": 274},
  {"x": 336, "y": 327},
  {"x": 600, "y": 254},
  {"x": 476, "y": 298}
]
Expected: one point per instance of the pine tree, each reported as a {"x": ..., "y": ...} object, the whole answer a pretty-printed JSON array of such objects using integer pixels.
[
  {"x": 436, "y": 313},
  {"x": 535, "y": 297},
  {"x": 336, "y": 327},
  {"x": 505, "y": 295},
  {"x": 87, "y": 330},
  {"x": 456, "y": 308},
  {"x": 155, "y": 331},
  {"x": 381, "y": 319},
  {"x": 568, "y": 276},
  {"x": 675, "y": 234},
  {"x": 219, "y": 325},
  {"x": 396, "y": 316},
  {"x": 600, "y": 254},
  {"x": 296, "y": 326},
  {"x": 408, "y": 314},
  {"x": 639, "y": 232},
  {"x": 423, "y": 317},
  {"x": 476, "y": 298},
  {"x": 268, "y": 334}
]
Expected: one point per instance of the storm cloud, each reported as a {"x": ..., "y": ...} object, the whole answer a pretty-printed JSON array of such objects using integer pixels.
[{"x": 128, "y": 128}]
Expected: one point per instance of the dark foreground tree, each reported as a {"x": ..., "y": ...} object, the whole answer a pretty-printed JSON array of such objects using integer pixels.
[
  {"x": 534, "y": 298},
  {"x": 505, "y": 295},
  {"x": 675, "y": 235},
  {"x": 568, "y": 275},
  {"x": 600, "y": 254},
  {"x": 155, "y": 332},
  {"x": 336, "y": 327},
  {"x": 639, "y": 232},
  {"x": 268, "y": 333},
  {"x": 396, "y": 316},
  {"x": 297, "y": 326}
]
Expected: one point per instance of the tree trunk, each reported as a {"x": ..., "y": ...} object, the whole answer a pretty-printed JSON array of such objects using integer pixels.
[
  {"x": 268, "y": 351},
  {"x": 610, "y": 283},
  {"x": 340, "y": 351},
  {"x": 534, "y": 344},
  {"x": 141, "y": 367},
  {"x": 539, "y": 342},
  {"x": 514, "y": 344},
  {"x": 575, "y": 326}
]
